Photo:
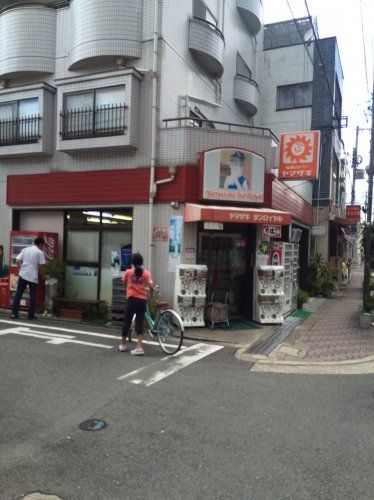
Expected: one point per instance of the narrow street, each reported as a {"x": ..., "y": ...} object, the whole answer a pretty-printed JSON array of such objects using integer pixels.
[{"x": 209, "y": 429}]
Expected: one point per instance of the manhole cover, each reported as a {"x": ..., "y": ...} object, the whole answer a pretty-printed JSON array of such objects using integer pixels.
[{"x": 93, "y": 424}]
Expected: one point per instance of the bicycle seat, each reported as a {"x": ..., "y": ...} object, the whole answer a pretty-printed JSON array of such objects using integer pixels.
[{"x": 161, "y": 304}]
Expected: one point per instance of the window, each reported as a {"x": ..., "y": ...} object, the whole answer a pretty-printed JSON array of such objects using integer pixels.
[
  {"x": 197, "y": 119},
  {"x": 201, "y": 11},
  {"x": 93, "y": 113},
  {"x": 294, "y": 96},
  {"x": 19, "y": 122},
  {"x": 241, "y": 67}
]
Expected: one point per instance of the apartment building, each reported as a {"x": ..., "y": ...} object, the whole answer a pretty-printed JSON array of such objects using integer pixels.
[
  {"x": 302, "y": 90},
  {"x": 111, "y": 112}
]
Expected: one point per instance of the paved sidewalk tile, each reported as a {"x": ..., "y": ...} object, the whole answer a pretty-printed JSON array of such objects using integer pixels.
[{"x": 337, "y": 335}]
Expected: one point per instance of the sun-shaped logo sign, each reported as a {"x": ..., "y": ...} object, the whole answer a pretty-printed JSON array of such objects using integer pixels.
[{"x": 298, "y": 149}]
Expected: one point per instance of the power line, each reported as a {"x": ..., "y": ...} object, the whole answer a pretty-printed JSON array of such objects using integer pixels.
[
  {"x": 320, "y": 56},
  {"x": 364, "y": 48},
  {"x": 299, "y": 31}
]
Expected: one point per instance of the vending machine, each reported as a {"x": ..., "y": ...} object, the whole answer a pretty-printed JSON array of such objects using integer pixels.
[
  {"x": 18, "y": 241},
  {"x": 287, "y": 255},
  {"x": 190, "y": 293},
  {"x": 269, "y": 294}
]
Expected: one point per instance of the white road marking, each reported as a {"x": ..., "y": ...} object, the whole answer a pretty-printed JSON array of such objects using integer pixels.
[
  {"x": 151, "y": 374},
  {"x": 50, "y": 338},
  {"x": 79, "y": 332}
]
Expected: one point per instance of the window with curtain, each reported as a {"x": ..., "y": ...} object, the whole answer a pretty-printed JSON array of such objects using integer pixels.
[
  {"x": 94, "y": 112},
  {"x": 298, "y": 95},
  {"x": 241, "y": 68},
  {"x": 19, "y": 121}
]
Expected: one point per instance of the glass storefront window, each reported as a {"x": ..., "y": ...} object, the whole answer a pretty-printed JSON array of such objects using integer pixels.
[
  {"x": 83, "y": 246},
  {"x": 94, "y": 238}
]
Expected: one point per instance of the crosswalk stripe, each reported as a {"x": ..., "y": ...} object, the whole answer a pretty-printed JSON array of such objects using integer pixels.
[{"x": 153, "y": 373}]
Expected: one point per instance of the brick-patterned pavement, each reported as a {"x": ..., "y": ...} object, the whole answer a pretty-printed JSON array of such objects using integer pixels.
[{"x": 337, "y": 335}]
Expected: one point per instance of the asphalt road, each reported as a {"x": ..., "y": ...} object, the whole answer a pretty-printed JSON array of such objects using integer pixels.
[{"x": 204, "y": 428}]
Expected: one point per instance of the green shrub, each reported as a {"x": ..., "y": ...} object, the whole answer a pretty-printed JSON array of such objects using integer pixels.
[
  {"x": 56, "y": 268},
  {"x": 327, "y": 287},
  {"x": 368, "y": 303},
  {"x": 302, "y": 299}
]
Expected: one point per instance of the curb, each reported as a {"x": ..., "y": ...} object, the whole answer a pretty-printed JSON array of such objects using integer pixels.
[{"x": 362, "y": 366}]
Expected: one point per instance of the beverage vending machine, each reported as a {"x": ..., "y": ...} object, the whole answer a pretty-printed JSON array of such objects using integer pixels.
[
  {"x": 269, "y": 294},
  {"x": 190, "y": 293},
  {"x": 18, "y": 241}
]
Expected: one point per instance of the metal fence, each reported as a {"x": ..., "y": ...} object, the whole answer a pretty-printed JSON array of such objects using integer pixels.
[
  {"x": 20, "y": 130},
  {"x": 89, "y": 122}
]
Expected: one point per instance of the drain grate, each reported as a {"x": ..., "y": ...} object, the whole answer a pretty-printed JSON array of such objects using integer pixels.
[{"x": 93, "y": 424}]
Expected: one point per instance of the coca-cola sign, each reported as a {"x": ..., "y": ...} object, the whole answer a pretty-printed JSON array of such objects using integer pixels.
[
  {"x": 50, "y": 246},
  {"x": 160, "y": 234}
]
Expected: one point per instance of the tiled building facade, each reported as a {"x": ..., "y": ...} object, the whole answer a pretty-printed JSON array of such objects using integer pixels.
[
  {"x": 303, "y": 92},
  {"x": 95, "y": 95}
]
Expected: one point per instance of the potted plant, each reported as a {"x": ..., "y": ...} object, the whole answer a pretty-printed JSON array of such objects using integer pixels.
[
  {"x": 328, "y": 288},
  {"x": 367, "y": 312},
  {"x": 302, "y": 299}
]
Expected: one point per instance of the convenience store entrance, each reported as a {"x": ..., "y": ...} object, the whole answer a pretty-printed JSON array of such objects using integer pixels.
[{"x": 229, "y": 257}]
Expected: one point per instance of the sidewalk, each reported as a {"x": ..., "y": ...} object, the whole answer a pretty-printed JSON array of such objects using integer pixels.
[{"x": 336, "y": 335}]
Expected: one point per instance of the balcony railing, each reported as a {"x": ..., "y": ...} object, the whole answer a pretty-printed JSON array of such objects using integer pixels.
[
  {"x": 186, "y": 121},
  {"x": 88, "y": 122},
  {"x": 23, "y": 130}
]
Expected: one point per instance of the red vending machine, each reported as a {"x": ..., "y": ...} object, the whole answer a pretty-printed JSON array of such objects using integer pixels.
[{"x": 18, "y": 241}]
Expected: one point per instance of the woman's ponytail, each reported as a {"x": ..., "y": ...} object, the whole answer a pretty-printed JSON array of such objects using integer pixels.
[
  {"x": 137, "y": 262},
  {"x": 138, "y": 271}
]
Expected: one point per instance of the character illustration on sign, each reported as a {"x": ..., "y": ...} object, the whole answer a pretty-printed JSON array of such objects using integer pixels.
[
  {"x": 236, "y": 180},
  {"x": 299, "y": 149}
]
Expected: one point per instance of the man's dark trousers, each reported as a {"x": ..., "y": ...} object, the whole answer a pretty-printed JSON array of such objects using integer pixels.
[{"x": 21, "y": 287}]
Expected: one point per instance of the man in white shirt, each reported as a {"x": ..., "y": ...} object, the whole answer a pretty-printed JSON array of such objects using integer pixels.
[{"x": 31, "y": 263}]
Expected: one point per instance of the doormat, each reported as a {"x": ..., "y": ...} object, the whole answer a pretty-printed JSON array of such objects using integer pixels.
[
  {"x": 300, "y": 313},
  {"x": 239, "y": 325}
]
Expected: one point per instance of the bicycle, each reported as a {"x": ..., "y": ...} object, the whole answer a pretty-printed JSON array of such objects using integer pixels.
[{"x": 167, "y": 326}]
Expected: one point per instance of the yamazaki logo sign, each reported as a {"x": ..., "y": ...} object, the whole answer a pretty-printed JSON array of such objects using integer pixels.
[{"x": 257, "y": 218}]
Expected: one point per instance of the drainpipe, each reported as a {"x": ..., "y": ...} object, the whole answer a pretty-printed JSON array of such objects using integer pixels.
[{"x": 152, "y": 185}]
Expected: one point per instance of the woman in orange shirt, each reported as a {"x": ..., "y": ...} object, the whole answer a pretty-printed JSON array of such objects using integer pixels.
[{"x": 136, "y": 280}]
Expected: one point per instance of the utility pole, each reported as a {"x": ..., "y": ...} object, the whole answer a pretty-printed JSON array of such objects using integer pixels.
[
  {"x": 368, "y": 230},
  {"x": 354, "y": 167}
]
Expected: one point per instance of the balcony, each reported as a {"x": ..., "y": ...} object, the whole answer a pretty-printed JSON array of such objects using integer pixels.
[
  {"x": 251, "y": 11},
  {"x": 23, "y": 130},
  {"x": 246, "y": 94},
  {"x": 181, "y": 141},
  {"x": 207, "y": 44},
  {"x": 88, "y": 123}
]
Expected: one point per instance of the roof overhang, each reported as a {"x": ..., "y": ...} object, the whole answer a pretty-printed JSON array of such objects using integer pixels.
[{"x": 211, "y": 213}]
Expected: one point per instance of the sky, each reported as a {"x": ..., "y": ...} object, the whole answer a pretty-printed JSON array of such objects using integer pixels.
[{"x": 342, "y": 18}]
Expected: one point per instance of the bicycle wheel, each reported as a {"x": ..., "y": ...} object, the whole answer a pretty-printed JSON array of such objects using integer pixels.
[{"x": 169, "y": 330}]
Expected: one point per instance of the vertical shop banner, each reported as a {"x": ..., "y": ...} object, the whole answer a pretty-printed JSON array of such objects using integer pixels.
[
  {"x": 175, "y": 242},
  {"x": 115, "y": 264},
  {"x": 299, "y": 155},
  {"x": 353, "y": 213}
]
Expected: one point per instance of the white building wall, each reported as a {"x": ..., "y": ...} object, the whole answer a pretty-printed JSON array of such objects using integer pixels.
[
  {"x": 286, "y": 66},
  {"x": 179, "y": 76}
]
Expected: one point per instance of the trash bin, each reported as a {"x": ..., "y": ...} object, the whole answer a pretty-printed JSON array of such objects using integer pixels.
[{"x": 50, "y": 292}]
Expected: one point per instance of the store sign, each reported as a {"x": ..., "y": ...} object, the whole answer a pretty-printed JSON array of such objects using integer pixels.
[
  {"x": 276, "y": 254},
  {"x": 216, "y": 226},
  {"x": 299, "y": 155},
  {"x": 318, "y": 231},
  {"x": 160, "y": 234},
  {"x": 353, "y": 213},
  {"x": 272, "y": 231},
  {"x": 232, "y": 175}
]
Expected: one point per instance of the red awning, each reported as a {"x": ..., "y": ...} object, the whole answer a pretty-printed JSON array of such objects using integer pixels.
[{"x": 210, "y": 213}]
